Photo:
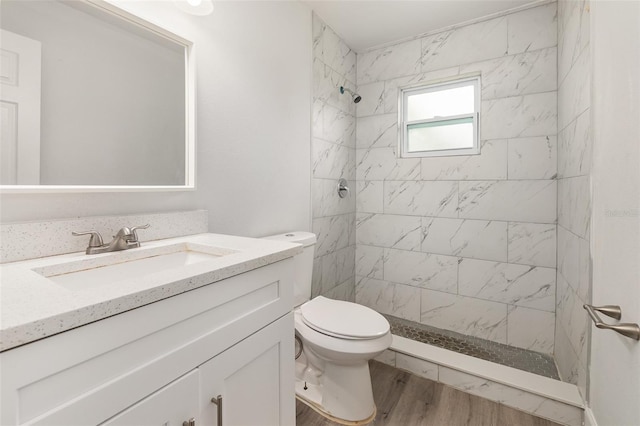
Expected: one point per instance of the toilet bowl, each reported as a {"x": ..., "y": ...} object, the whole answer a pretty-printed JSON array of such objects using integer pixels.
[{"x": 336, "y": 340}]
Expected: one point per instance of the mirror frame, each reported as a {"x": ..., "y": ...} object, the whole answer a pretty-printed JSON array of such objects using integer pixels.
[{"x": 190, "y": 117}]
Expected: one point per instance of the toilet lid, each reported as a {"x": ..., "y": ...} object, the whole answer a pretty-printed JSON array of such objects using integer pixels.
[{"x": 343, "y": 319}]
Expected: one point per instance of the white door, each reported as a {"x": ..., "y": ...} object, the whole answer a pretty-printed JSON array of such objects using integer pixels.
[
  {"x": 254, "y": 378},
  {"x": 615, "y": 359},
  {"x": 19, "y": 110}
]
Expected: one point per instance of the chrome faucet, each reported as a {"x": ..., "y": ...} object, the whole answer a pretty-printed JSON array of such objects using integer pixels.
[{"x": 125, "y": 239}]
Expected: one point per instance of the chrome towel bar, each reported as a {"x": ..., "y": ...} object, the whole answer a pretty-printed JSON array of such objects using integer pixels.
[{"x": 626, "y": 329}]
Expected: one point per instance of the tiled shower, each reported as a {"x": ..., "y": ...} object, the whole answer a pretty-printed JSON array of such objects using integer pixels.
[{"x": 466, "y": 244}]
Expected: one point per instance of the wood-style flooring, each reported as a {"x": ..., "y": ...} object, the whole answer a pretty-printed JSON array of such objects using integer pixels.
[{"x": 404, "y": 399}]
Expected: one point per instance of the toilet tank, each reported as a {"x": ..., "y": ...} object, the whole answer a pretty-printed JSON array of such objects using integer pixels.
[{"x": 303, "y": 263}]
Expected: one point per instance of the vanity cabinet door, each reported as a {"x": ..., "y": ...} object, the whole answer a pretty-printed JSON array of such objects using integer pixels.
[
  {"x": 254, "y": 378},
  {"x": 170, "y": 406}
]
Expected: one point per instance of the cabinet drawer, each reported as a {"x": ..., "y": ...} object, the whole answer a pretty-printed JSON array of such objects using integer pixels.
[
  {"x": 90, "y": 373},
  {"x": 170, "y": 406}
]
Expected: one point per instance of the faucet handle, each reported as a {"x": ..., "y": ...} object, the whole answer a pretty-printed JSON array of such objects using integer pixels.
[
  {"x": 133, "y": 231},
  {"x": 96, "y": 238}
]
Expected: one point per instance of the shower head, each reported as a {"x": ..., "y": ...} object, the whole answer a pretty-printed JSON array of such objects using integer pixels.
[{"x": 356, "y": 98}]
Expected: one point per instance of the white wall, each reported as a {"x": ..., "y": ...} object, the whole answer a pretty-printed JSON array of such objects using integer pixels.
[{"x": 254, "y": 88}]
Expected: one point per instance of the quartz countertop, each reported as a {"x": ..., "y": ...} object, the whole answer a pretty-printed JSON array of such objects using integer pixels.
[{"x": 33, "y": 307}]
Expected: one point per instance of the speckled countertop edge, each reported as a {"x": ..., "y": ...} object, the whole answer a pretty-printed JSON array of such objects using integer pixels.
[{"x": 33, "y": 307}]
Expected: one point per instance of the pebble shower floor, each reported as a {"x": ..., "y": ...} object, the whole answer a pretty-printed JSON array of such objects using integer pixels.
[{"x": 522, "y": 359}]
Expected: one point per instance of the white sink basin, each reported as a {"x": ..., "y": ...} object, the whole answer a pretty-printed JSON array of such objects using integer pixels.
[{"x": 93, "y": 272}]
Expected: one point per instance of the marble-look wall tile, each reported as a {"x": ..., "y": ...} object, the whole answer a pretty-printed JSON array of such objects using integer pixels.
[
  {"x": 521, "y": 201},
  {"x": 573, "y": 33},
  {"x": 399, "y": 300},
  {"x": 325, "y": 199},
  {"x": 326, "y": 83},
  {"x": 417, "y": 366},
  {"x": 369, "y": 261},
  {"x": 467, "y": 205},
  {"x": 525, "y": 73},
  {"x": 533, "y": 158},
  {"x": 332, "y": 233},
  {"x": 574, "y": 199},
  {"x": 377, "y": 131},
  {"x": 470, "y": 43},
  {"x": 391, "y": 231},
  {"x": 522, "y": 285},
  {"x": 345, "y": 262},
  {"x": 391, "y": 87},
  {"x": 332, "y": 161},
  {"x": 570, "y": 368},
  {"x": 574, "y": 147},
  {"x": 471, "y": 316},
  {"x": 317, "y": 29},
  {"x": 372, "y": 102},
  {"x": 344, "y": 291},
  {"x": 490, "y": 164},
  {"x": 522, "y": 334},
  {"x": 337, "y": 55},
  {"x": 387, "y": 357},
  {"x": 317, "y": 117},
  {"x": 532, "y": 244},
  {"x": 568, "y": 256},
  {"x": 533, "y": 29},
  {"x": 520, "y": 116},
  {"x": 573, "y": 319},
  {"x": 478, "y": 239},
  {"x": 326, "y": 277},
  {"x": 316, "y": 277},
  {"x": 383, "y": 164},
  {"x": 333, "y": 157},
  {"x": 583, "y": 287},
  {"x": 574, "y": 91},
  {"x": 512, "y": 397},
  {"x": 338, "y": 127},
  {"x": 574, "y": 204},
  {"x": 422, "y": 198},
  {"x": 369, "y": 196},
  {"x": 389, "y": 62},
  {"x": 432, "y": 271}
]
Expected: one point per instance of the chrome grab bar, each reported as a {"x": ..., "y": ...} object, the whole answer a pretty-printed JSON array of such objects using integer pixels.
[{"x": 626, "y": 329}]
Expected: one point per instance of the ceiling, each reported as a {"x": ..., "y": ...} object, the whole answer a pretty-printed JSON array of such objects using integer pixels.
[{"x": 363, "y": 24}]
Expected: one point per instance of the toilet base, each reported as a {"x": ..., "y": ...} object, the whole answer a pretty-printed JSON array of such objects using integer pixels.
[
  {"x": 318, "y": 409},
  {"x": 342, "y": 393}
]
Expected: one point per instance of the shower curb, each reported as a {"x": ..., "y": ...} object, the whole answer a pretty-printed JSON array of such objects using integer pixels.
[{"x": 540, "y": 396}]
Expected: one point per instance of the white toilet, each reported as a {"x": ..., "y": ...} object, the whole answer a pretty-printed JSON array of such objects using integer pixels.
[{"x": 337, "y": 341}]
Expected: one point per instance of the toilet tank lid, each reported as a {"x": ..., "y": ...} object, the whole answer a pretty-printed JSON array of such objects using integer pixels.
[{"x": 300, "y": 237}]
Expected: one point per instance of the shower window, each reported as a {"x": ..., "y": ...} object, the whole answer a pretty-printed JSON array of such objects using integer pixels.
[{"x": 440, "y": 119}]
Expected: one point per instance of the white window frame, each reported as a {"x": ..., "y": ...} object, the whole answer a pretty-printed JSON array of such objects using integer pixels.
[{"x": 403, "y": 124}]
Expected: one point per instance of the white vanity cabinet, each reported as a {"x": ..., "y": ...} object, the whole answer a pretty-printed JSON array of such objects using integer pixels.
[{"x": 160, "y": 364}]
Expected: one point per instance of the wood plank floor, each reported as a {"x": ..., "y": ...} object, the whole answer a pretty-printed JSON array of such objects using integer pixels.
[{"x": 404, "y": 399}]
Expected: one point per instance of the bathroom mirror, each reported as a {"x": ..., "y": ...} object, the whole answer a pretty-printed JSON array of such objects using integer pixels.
[{"x": 93, "y": 99}]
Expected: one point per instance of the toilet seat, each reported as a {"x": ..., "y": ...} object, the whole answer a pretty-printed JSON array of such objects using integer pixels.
[{"x": 344, "y": 320}]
